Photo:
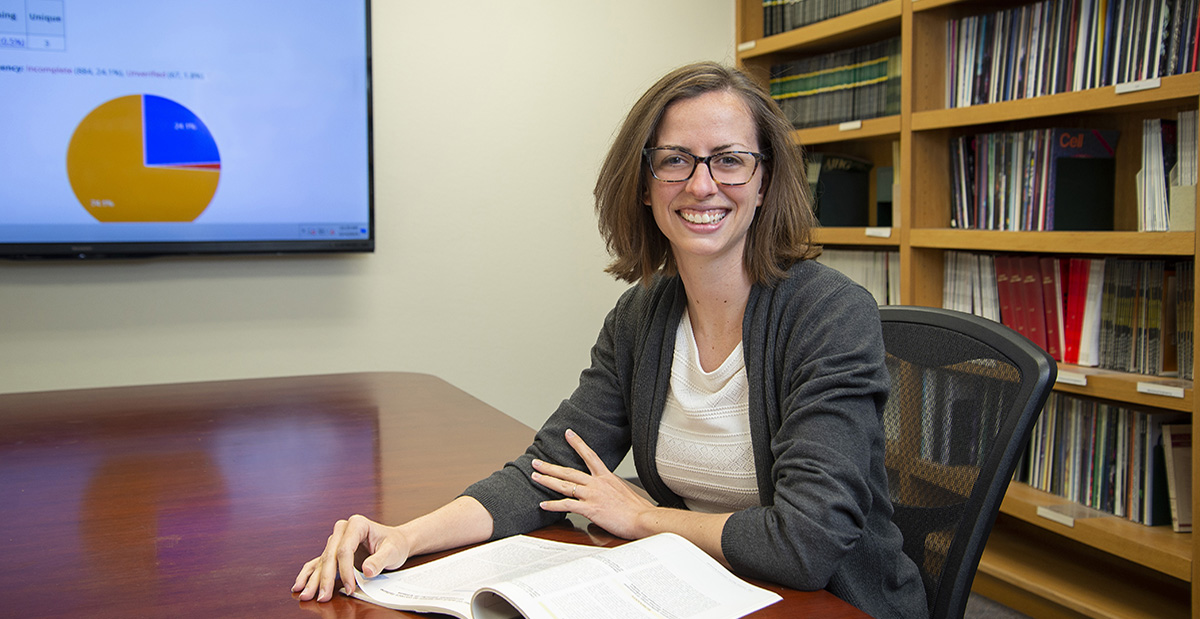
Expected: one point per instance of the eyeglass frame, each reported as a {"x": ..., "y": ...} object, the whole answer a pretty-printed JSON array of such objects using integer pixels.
[{"x": 697, "y": 160}]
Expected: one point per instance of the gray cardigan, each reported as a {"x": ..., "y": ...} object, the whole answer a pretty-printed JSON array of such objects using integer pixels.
[{"x": 814, "y": 361}]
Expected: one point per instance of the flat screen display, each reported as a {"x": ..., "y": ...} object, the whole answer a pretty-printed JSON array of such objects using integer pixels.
[{"x": 152, "y": 127}]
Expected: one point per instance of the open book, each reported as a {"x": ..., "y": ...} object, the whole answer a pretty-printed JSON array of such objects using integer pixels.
[{"x": 660, "y": 576}]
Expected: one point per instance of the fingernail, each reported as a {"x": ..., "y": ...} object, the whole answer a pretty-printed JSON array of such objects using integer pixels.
[
  {"x": 537, "y": 462},
  {"x": 570, "y": 432}
]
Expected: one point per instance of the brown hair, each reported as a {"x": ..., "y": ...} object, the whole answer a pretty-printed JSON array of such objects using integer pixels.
[{"x": 781, "y": 232}]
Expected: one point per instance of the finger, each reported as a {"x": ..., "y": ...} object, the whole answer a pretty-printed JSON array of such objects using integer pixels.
[
  {"x": 327, "y": 570},
  {"x": 384, "y": 558},
  {"x": 561, "y": 486},
  {"x": 302, "y": 577},
  {"x": 561, "y": 505},
  {"x": 312, "y": 586},
  {"x": 560, "y": 472},
  {"x": 356, "y": 531},
  {"x": 593, "y": 462}
]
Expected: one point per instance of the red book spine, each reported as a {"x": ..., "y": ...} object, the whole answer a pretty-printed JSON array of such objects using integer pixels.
[
  {"x": 1012, "y": 275},
  {"x": 1052, "y": 302},
  {"x": 1003, "y": 293},
  {"x": 1076, "y": 300},
  {"x": 1035, "y": 316}
]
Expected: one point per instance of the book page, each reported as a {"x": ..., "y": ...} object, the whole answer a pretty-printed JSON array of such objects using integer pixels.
[
  {"x": 659, "y": 576},
  {"x": 446, "y": 585}
]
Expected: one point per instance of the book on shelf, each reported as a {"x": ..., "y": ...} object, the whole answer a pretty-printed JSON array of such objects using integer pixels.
[
  {"x": 1077, "y": 277},
  {"x": 1129, "y": 315},
  {"x": 971, "y": 285},
  {"x": 876, "y": 270},
  {"x": 783, "y": 15},
  {"x": 1185, "y": 306},
  {"x": 1178, "y": 143},
  {"x": 885, "y": 188},
  {"x": 1052, "y": 299},
  {"x": 841, "y": 189},
  {"x": 1034, "y": 303},
  {"x": 1158, "y": 158},
  {"x": 521, "y": 576},
  {"x": 1092, "y": 314},
  {"x": 1040, "y": 179},
  {"x": 1104, "y": 456},
  {"x": 1058, "y": 46},
  {"x": 1082, "y": 171},
  {"x": 1177, "y": 452},
  {"x": 845, "y": 85}
]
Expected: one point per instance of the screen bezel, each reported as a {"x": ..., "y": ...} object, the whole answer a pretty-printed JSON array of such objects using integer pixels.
[{"x": 153, "y": 249}]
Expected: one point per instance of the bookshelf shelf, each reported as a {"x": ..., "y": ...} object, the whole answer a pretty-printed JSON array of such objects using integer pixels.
[
  {"x": 1103, "y": 566},
  {"x": 1157, "y": 548},
  {"x": 1023, "y": 566},
  {"x": 1123, "y": 387},
  {"x": 872, "y": 237},
  {"x": 1097, "y": 243},
  {"x": 1175, "y": 90},
  {"x": 887, "y": 127},
  {"x": 842, "y": 31},
  {"x": 927, "y": 5}
]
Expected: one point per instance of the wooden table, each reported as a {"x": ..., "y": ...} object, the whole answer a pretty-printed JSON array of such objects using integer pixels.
[{"x": 204, "y": 499}]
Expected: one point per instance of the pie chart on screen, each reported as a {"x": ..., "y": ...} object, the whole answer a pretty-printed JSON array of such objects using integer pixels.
[{"x": 143, "y": 158}]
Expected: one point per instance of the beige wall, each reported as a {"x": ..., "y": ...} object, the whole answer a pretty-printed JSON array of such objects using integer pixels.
[{"x": 490, "y": 122}]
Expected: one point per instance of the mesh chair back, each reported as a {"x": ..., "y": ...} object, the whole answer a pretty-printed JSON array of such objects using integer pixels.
[{"x": 965, "y": 394}]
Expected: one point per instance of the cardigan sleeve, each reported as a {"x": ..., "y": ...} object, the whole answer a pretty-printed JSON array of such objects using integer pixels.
[
  {"x": 596, "y": 411},
  {"x": 824, "y": 383}
]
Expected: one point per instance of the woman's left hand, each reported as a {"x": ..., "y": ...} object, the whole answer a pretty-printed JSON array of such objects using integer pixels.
[{"x": 599, "y": 495}]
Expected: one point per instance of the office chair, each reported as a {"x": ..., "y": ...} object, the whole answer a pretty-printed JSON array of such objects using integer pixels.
[{"x": 965, "y": 394}]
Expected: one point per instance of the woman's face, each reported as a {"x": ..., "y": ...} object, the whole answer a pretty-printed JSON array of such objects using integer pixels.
[{"x": 705, "y": 220}]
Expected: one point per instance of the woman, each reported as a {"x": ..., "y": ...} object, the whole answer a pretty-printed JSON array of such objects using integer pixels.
[{"x": 748, "y": 380}]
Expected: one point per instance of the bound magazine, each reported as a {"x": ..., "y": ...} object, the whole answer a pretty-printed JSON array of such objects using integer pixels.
[{"x": 660, "y": 576}]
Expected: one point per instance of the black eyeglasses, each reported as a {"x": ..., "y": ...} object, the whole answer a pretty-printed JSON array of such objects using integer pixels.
[{"x": 674, "y": 165}]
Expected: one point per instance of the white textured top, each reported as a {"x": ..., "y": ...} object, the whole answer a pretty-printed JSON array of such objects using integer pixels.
[{"x": 704, "y": 453}]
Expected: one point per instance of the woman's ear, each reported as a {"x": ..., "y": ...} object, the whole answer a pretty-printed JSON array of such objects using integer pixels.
[{"x": 762, "y": 189}]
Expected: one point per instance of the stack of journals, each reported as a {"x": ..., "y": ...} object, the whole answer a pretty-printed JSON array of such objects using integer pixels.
[
  {"x": 783, "y": 15},
  {"x": 1158, "y": 158},
  {"x": 1041, "y": 179},
  {"x": 1107, "y": 457},
  {"x": 1066, "y": 45},
  {"x": 846, "y": 85},
  {"x": 1167, "y": 181},
  {"x": 1125, "y": 315},
  {"x": 876, "y": 270}
]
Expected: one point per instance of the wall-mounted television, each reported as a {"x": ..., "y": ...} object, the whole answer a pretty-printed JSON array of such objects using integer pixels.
[{"x": 167, "y": 127}]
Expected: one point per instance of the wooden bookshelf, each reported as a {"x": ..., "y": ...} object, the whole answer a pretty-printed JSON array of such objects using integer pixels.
[
  {"x": 883, "y": 238},
  {"x": 1103, "y": 566}
]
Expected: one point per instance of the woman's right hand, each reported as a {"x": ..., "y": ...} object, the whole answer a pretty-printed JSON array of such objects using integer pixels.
[{"x": 389, "y": 549}]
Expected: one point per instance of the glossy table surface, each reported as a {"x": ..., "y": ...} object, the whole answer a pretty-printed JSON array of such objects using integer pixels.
[{"x": 204, "y": 499}]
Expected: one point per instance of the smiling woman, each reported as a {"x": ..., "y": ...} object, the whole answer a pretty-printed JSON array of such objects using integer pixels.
[{"x": 747, "y": 379}]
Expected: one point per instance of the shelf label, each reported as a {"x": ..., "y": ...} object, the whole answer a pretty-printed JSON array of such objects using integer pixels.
[
  {"x": 1072, "y": 378},
  {"x": 1129, "y": 87},
  {"x": 850, "y": 125},
  {"x": 746, "y": 46},
  {"x": 880, "y": 233},
  {"x": 1067, "y": 513},
  {"x": 1160, "y": 389},
  {"x": 1048, "y": 513}
]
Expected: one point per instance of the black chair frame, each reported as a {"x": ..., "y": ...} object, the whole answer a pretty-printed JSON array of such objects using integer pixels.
[{"x": 905, "y": 329}]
